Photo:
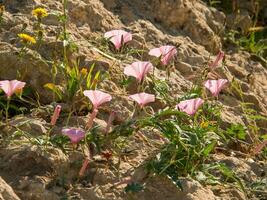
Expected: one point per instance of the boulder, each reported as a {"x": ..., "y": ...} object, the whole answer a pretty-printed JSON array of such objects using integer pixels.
[{"x": 6, "y": 192}]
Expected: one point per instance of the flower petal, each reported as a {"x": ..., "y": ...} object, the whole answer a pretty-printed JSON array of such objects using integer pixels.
[
  {"x": 143, "y": 98},
  {"x": 97, "y": 97},
  {"x": 215, "y": 86},
  {"x": 190, "y": 106},
  {"x": 138, "y": 70}
]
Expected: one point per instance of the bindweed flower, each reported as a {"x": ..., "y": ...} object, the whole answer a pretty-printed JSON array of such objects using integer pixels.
[
  {"x": 165, "y": 53},
  {"x": 118, "y": 37},
  {"x": 97, "y": 97},
  {"x": 216, "y": 62},
  {"x": 138, "y": 70},
  {"x": 143, "y": 98},
  {"x": 55, "y": 115},
  {"x": 190, "y": 106},
  {"x": 11, "y": 87},
  {"x": 39, "y": 13},
  {"x": 215, "y": 86},
  {"x": 75, "y": 134},
  {"x": 27, "y": 39}
]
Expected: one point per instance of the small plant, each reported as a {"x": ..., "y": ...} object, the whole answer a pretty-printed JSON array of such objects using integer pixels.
[
  {"x": 188, "y": 146},
  {"x": 237, "y": 131},
  {"x": 39, "y": 14}
]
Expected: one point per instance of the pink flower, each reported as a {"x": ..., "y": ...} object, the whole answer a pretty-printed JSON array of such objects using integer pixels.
[
  {"x": 97, "y": 97},
  {"x": 118, "y": 37},
  {"x": 219, "y": 57},
  {"x": 138, "y": 70},
  {"x": 165, "y": 53},
  {"x": 55, "y": 115},
  {"x": 190, "y": 106},
  {"x": 143, "y": 98},
  {"x": 11, "y": 87},
  {"x": 215, "y": 86},
  {"x": 75, "y": 134}
]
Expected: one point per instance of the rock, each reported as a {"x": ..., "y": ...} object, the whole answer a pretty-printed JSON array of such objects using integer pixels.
[
  {"x": 36, "y": 189},
  {"x": 230, "y": 194},
  {"x": 34, "y": 127},
  {"x": 6, "y": 192},
  {"x": 30, "y": 68},
  {"x": 163, "y": 188},
  {"x": 192, "y": 18},
  {"x": 39, "y": 162}
]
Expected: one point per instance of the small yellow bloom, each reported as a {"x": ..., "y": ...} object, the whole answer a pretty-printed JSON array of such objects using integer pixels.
[
  {"x": 39, "y": 13},
  {"x": 84, "y": 72},
  {"x": 27, "y": 39},
  {"x": 204, "y": 124},
  {"x": 2, "y": 9}
]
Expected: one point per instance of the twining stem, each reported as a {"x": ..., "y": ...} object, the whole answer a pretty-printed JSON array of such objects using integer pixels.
[
  {"x": 110, "y": 120},
  {"x": 7, "y": 108}
]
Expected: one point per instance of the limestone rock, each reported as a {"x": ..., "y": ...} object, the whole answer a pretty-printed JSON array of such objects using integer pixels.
[
  {"x": 6, "y": 192},
  {"x": 30, "y": 68}
]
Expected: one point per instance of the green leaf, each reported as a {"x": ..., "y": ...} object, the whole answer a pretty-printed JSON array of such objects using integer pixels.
[
  {"x": 134, "y": 187},
  {"x": 89, "y": 76},
  {"x": 54, "y": 88},
  {"x": 209, "y": 148}
]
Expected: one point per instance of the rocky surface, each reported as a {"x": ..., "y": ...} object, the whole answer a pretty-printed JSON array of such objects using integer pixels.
[
  {"x": 197, "y": 32},
  {"x": 6, "y": 192}
]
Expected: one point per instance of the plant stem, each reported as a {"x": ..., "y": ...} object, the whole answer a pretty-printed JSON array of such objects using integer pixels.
[
  {"x": 7, "y": 108},
  {"x": 64, "y": 2}
]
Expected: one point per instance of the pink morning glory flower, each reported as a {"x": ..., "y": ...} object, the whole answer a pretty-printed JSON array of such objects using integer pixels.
[
  {"x": 75, "y": 134},
  {"x": 11, "y": 87},
  {"x": 190, "y": 106},
  {"x": 216, "y": 62},
  {"x": 55, "y": 115},
  {"x": 97, "y": 97},
  {"x": 165, "y": 53},
  {"x": 215, "y": 86},
  {"x": 138, "y": 70},
  {"x": 118, "y": 37},
  {"x": 143, "y": 98}
]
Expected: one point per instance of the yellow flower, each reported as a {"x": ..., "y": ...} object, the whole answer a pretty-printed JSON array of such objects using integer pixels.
[
  {"x": 2, "y": 9},
  {"x": 27, "y": 39},
  {"x": 39, "y": 13},
  {"x": 84, "y": 72},
  {"x": 204, "y": 124}
]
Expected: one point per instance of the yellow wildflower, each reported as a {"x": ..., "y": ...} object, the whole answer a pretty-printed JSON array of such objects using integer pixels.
[
  {"x": 27, "y": 39},
  {"x": 2, "y": 9},
  {"x": 204, "y": 124},
  {"x": 39, "y": 13},
  {"x": 84, "y": 72}
]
